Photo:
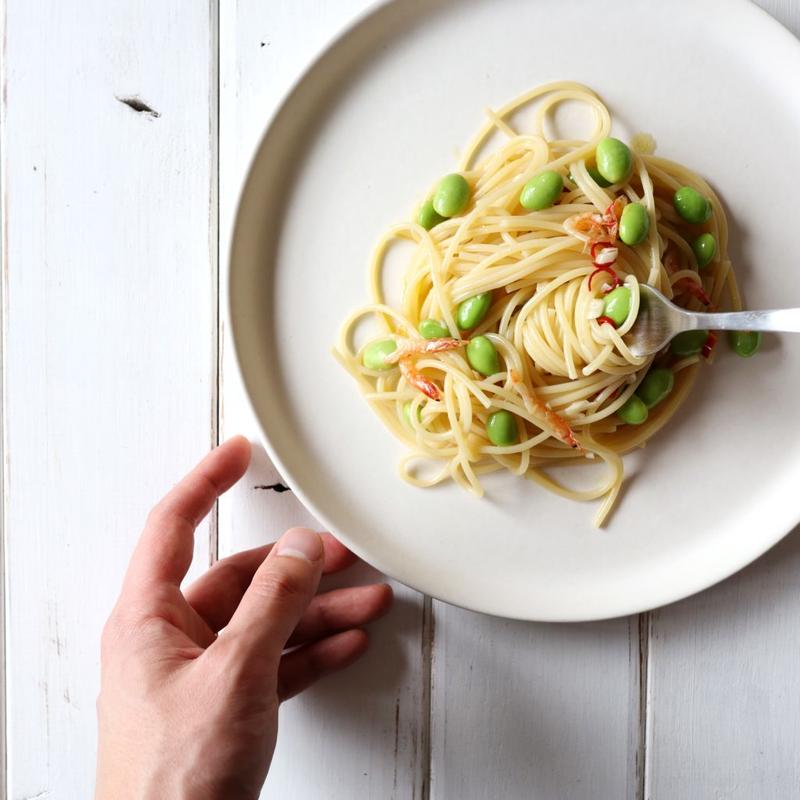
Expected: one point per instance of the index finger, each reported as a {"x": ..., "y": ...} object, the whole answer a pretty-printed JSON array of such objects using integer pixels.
[{"x": 165, "y": 548}]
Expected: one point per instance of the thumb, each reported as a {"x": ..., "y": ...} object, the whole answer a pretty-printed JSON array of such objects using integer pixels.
[{"x": 279, "y": 593}]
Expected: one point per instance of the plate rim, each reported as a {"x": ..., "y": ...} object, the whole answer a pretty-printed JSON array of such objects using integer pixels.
[{"x": 657, "y": 598}]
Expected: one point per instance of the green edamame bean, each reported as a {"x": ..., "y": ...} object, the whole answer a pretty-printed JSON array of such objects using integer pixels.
[
  {"x": 745, "y": 343},
  {"x": 691, "y": 205},
  {"x": 375, "y": 354},
  {"x": 427, "y": 216},
  {"x": 705, "y": 248},
  {"x": 541, "y": 191},
  {"x": 657, "y": 384},
  {"x": 433, "y": 329},
  {"x": 501, "y": 428},
  {"x": 597, "y": 177},
  {"x": 634, "y": 224},
  {"x": 451, "y": 196},
  {"x": 614, "y": 159},
  {"x": 633, "y": 411},
  {"x": 688, "y": 343},
  {"x": 473, "y": 310},
  {"x": 407, "y": 413},
  {"x": 482, "y": 356},
  {"x": 617, "y": 304}
]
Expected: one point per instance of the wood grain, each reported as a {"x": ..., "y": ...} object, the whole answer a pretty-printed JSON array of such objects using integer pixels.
[
  {"x": 112, "y": 184},
  {"x": 109, "y": 337},
  {"x": 533, "y": 710},
  {"x": 787, "y": 12},
  {"x": 724, "y": 693}
]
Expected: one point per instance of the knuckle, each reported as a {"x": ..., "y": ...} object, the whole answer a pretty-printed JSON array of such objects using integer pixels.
[
  {"x": 112, "y": 635},
  {"x": 113, "y": 638},
  {"x": 227, "y": 574},
  {"x": 155, "y": 515},
  {"x": 122, "y": 632},
  {"x": 233, "y": 665},
  {"x": 327, "y": 618},
  {"x": 280, "y": 586}
]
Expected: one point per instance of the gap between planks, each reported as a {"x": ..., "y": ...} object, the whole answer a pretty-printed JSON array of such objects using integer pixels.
[
  {"x": 3, "y": 427},
  {"x": 214, "y": 257},
  {"x": 644, "y": 628},
  {"x": 427, "y": 633}
]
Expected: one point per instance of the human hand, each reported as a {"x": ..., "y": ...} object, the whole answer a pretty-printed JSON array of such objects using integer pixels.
[{"x": 184, "y": 712}]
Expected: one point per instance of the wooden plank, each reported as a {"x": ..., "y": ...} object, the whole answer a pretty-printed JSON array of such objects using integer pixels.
[
  {"x": 787, "y": 12},
  {"x": 361, "y": 733},
  {"x": 533, "y": 710},
  {"x": 110, "y": 360},
  {"x": 724, "y": 689},
  {"x": 3, "y": 448}
]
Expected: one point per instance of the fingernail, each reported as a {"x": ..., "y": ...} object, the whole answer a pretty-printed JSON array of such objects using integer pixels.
[{"x": 300, "y": 543}]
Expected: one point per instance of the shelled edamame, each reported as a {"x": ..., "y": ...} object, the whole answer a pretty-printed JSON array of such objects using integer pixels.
[
  {"x": 745, "y": 343},
  {"x": 482, "y": 356},
  {"x": 451, "y": 196},
  {"x": 433, "y": 329},
  {"x": 542, "y": 191},
  {"x": 473, "y": 310},
  {"x": 617, "y": 305},
  {"x": 614, "y": 160},
  {"x": 501, "y": 428}
]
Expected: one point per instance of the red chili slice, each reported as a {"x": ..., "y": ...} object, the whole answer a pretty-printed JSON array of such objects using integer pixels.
[
  {"x": 606, "y": 321},
  {"x": 709, "y": 345},
  {"x": 608, "y": 271},
  {"x": 597, "y": 246}
]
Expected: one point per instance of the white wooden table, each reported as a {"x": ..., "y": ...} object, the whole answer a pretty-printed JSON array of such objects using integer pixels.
[{"x": 126, "y": 130}]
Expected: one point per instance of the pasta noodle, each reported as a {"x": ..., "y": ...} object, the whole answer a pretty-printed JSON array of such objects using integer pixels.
[{"x": 565, "y": 372}]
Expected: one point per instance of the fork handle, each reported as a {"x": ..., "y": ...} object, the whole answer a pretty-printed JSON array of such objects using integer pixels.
[{"x": 781, "y": 319}]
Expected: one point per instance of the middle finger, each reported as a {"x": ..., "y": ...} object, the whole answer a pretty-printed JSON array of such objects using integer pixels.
[{"x": 341, "y": 609}]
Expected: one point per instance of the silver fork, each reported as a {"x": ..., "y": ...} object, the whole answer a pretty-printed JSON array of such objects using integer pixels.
[{"x": 659, "y": 321}]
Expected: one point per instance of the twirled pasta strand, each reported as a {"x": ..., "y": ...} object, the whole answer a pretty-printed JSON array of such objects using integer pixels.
[{"x": 573, "y": 368}]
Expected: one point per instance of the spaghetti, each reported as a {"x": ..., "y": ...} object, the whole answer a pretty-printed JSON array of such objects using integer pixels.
[{"x": 539, "y": 375}]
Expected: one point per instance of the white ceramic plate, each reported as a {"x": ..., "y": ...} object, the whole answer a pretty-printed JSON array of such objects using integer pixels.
[{"x": 361, "y": 137}]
